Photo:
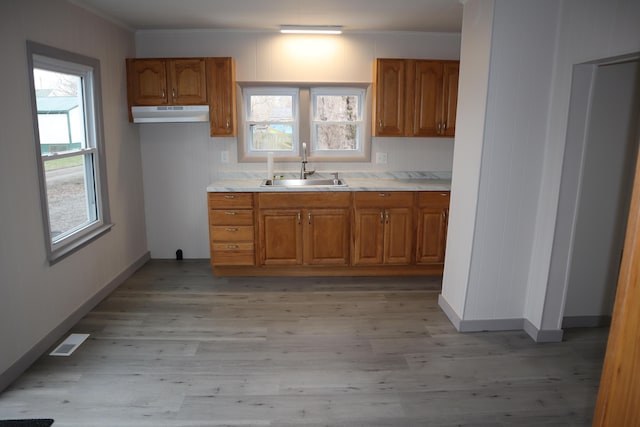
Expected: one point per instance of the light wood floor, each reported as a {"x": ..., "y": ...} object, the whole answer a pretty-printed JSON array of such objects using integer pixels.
[{"x": 174, "y": 346}]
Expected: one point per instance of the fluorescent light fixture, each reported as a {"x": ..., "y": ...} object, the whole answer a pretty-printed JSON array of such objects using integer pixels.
[{"x": 311, "y": 29}]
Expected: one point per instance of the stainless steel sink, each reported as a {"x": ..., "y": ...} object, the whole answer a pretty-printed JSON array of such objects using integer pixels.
[{"x": 304, "y": 183}]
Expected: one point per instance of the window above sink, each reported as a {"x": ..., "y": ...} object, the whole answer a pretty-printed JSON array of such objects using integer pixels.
[{"x": 334, "y": 121}]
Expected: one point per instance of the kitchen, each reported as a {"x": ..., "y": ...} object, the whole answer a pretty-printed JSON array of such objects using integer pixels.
[{"x": 506, "y": 160}]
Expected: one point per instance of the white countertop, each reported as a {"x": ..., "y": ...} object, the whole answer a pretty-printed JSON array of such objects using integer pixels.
[{"x": 381, "y": 182}]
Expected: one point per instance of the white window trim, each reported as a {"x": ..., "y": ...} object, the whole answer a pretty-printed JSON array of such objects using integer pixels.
[
  {"x": 304, "y": 135},
  {"x": 245, "y": 142},
  {"x": 360, "y": 123},
  {"x": 46, "y": 57}
]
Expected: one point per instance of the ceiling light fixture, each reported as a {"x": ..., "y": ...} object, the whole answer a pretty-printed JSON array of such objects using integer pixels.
[{"x": 311, "y": 29}]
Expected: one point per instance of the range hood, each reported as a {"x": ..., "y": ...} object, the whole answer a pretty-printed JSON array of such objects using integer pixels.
[{"x": 170, "y": 114}]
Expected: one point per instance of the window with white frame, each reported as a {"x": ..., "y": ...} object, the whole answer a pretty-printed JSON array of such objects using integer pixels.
[
  {"x": 68, "y": 135},
  {"x": 337, "y": 121},
  {"x": 334, "y": 120},
  {"x": 271, "y": 123}
]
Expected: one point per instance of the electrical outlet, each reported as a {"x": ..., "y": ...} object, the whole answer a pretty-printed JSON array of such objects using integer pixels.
[
  {"x": 224, "y": 157},
  {"x": 381, "y": 158}
]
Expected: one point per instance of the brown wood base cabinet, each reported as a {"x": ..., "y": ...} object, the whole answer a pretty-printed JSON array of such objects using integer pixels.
[
  {"x": 231, "y": 228},
  {"x": 383, "y": 228},
  {"x": 328, "y": 233},
  {"x": 306, "y": 233}
]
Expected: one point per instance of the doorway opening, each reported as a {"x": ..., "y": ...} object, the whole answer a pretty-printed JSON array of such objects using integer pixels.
[{"x": 597, "y": 179}]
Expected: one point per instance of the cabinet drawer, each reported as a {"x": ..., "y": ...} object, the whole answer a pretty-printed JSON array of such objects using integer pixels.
[
  {"x": 433, "y": 198},
  {"x": 232, "y": 246},
  {"x": 232, "y": 254},
  {"x": 231, "y": 217},
  {"x": 383, "y": 199},
  {"x": 230, "y": 200},
  {"x": 231, "y": 233},
  {"x": 312, "y": 199}
]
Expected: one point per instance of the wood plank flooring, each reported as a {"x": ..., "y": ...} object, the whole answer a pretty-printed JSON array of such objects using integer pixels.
[{"x": 174, "y": 346}]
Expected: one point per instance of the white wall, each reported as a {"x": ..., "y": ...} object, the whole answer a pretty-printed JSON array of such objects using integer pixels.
[
  {"x": 34, "y": 297},
  {"x": 519, "y": 62},
  {"x": 179, "y": 161},
  {"x": 589, "y": 30},
  {"x": 533, "y": 49},
  {"x": 470, "y": 126}
]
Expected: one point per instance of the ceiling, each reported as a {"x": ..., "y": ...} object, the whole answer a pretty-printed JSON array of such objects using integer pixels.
[{"x": 354, "y": 15}]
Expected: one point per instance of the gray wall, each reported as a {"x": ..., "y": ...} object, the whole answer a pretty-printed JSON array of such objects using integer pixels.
[{"x": 35, "y": 298}]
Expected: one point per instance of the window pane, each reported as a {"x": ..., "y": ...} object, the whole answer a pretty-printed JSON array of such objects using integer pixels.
[
  {"x": 70, "y": 198},
  {"x": 270, "y": 108},
  {"x": 60, "y": 111},
  {"x": 337, "y": 108},
  {"x": 272, "y": 137},
  {"x": 337, "y": 137}
]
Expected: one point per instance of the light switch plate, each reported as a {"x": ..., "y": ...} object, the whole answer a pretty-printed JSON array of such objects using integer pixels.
[
  {"x": 224, "y": 157},
  {"x": 381, "y": 158}
]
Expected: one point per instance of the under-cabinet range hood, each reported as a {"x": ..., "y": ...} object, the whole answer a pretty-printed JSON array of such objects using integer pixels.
[{"x": 171, "y": 114}]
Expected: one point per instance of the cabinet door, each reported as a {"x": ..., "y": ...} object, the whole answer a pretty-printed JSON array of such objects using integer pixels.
[
  {"x": 450, "y": 76},
  {"x": 281, "y": 236},
  {"x": 432, "y": 234},
  {"x": 222, "y": 96},
  {"x": 147, "y": 82},
  {"x": 369, "y": 236},
  {"x": 390, "y": 97},
  {"x": 188, "y": 81},
  {"x": 326, "y": 236},
  {"x": 427, "y": 117},
  {"x": 398, "y": 236}
]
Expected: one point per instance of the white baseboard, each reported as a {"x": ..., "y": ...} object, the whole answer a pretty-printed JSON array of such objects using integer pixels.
[
  {"x": 488, "y": 325},
  {"x": 41, "y": 347}
]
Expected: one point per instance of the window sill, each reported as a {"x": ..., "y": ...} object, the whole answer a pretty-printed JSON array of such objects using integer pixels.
[{"x": 59, "y": 254}]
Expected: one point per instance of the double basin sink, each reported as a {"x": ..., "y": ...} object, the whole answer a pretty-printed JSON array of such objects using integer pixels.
[{"x": 339, "y": 182}]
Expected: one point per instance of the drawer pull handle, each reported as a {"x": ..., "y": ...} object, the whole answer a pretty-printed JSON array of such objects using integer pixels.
[
  {"x": 231, "y": 213},
  {"x": 381, "y": 217},
  {"x": 299, "y": 218},
  {"x": 309, "y": 217},
  {"x": 384, "y": 194},
  {"x": 444, "y": 194},
  {"x": 232, "y": 246},
  {"x": 231, "y": 229},
  {"x": 229, "y": 196}
]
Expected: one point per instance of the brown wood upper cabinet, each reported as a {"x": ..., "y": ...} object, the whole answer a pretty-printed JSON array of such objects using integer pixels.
[
  {"x": 415, "y": 97},
  {"x": 221, "y": 79},
  {"x": 186, "y": 81},
  {"x": 167, "y": 81}
]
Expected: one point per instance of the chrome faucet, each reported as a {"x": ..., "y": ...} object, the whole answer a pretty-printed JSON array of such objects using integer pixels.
[{"x": 304, "y": 173}]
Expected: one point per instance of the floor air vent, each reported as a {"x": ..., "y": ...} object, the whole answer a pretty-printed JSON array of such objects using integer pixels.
[{"x": 69, "y": 345}]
